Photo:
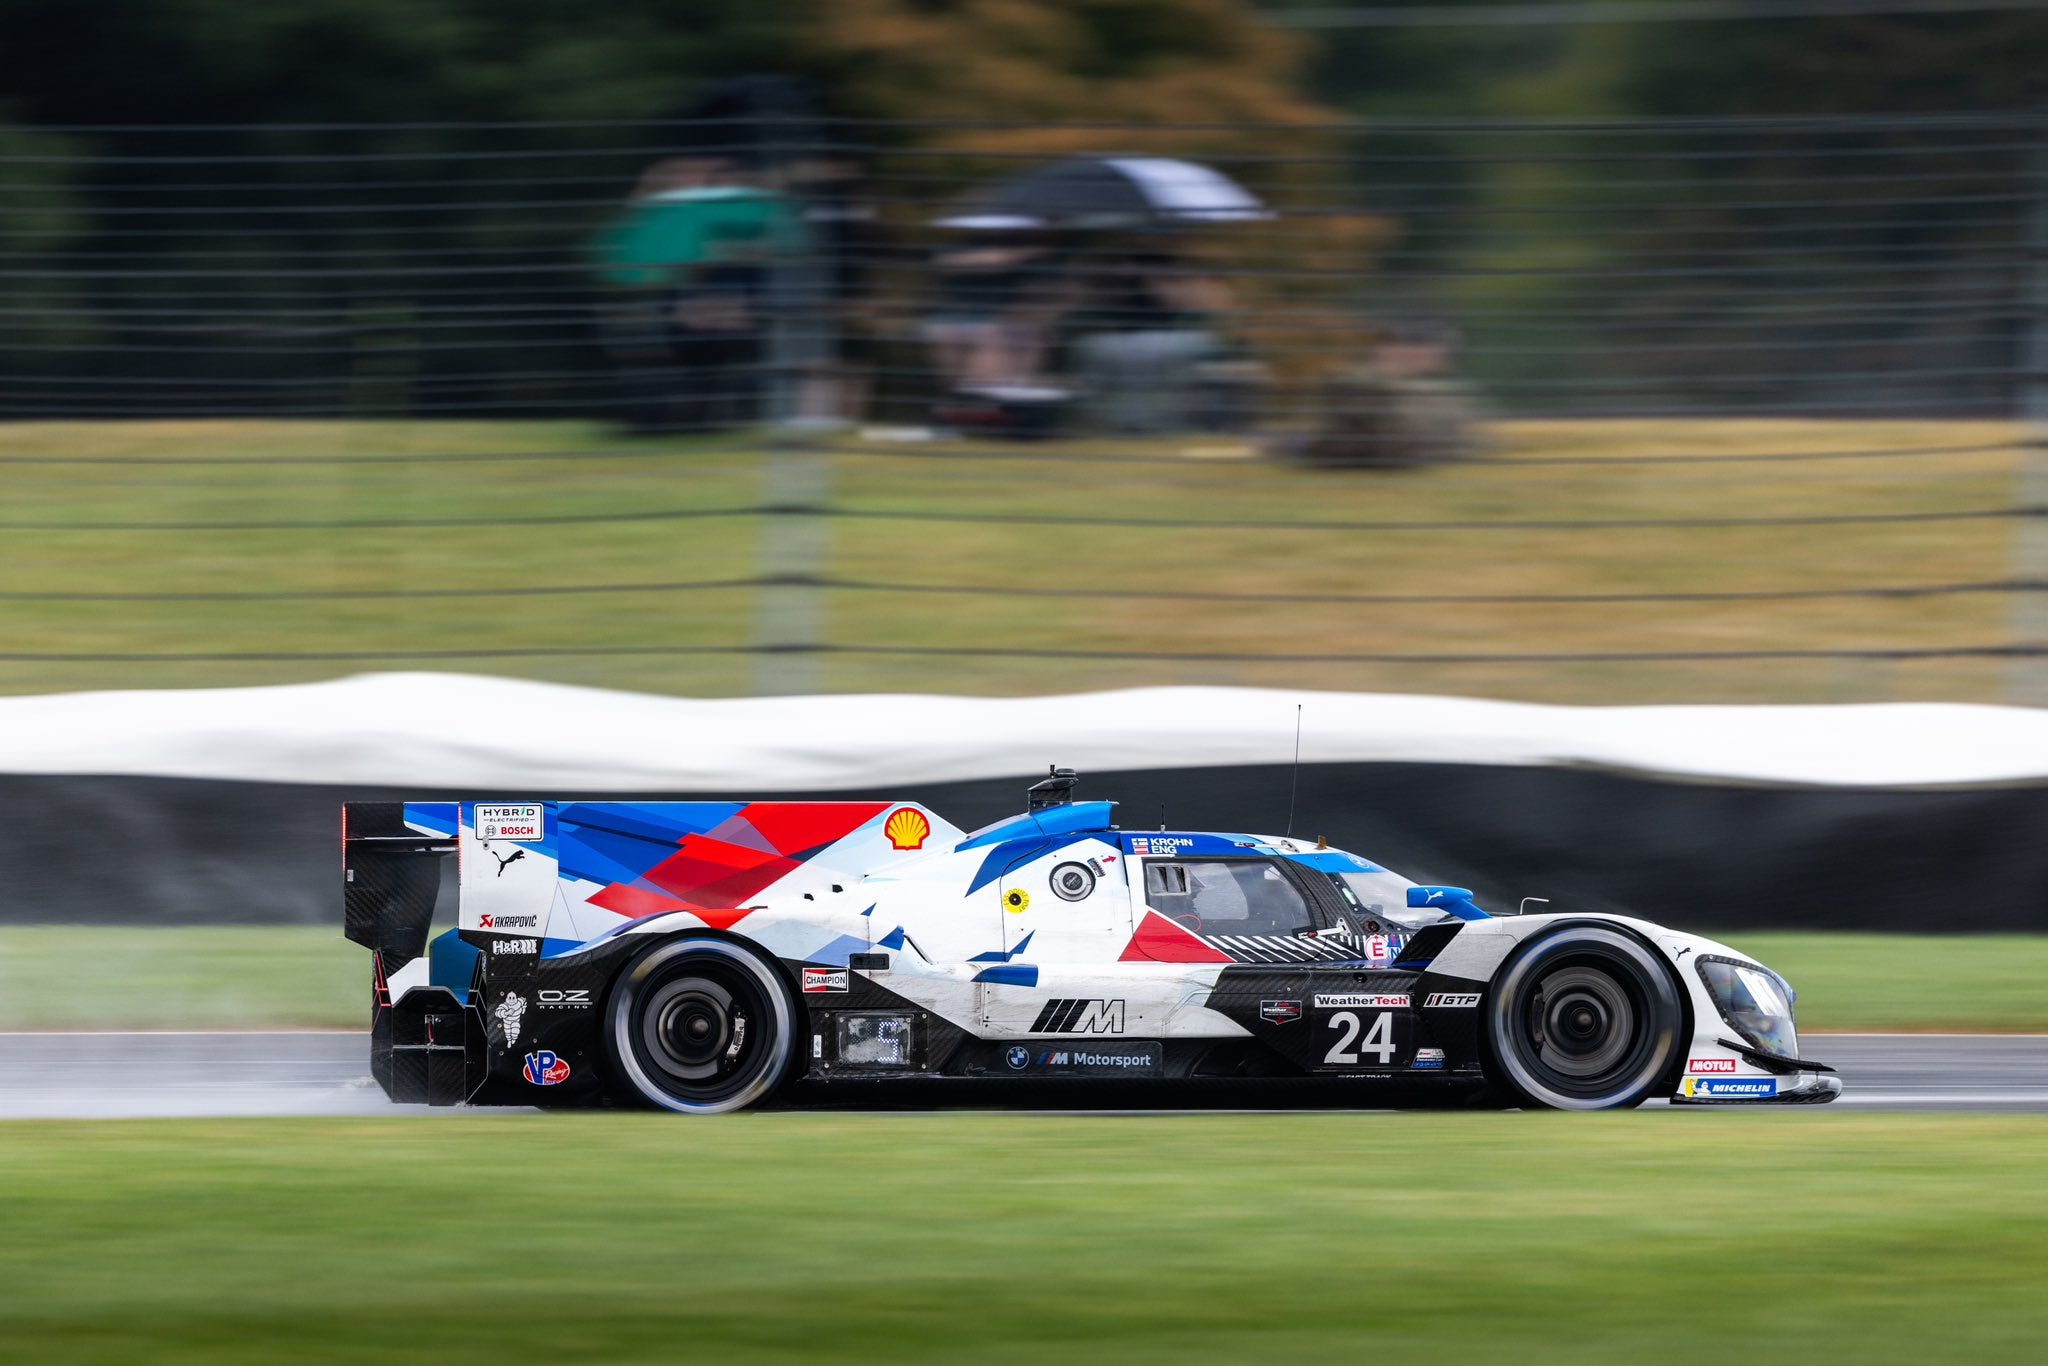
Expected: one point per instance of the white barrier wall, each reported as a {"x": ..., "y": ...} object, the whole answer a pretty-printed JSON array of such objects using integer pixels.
[{"x": 453, "y": 730}]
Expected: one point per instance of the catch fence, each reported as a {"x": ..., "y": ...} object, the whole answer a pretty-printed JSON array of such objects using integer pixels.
[{"x": 1593, "y": 409}]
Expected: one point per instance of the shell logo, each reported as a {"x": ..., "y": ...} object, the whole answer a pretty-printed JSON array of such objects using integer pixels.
[{"x": 907, "y": 829}]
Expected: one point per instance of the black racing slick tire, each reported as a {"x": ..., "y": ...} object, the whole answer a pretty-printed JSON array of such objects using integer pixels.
[
  {"x": 1585, "y": 1018},
  {"x": 700, "y": 1026}
]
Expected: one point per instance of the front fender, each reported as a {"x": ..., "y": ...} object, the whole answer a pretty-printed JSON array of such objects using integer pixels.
[{"x": 1712, "y": 1069}]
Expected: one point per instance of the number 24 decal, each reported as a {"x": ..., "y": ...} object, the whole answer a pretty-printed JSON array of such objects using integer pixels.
[{"x": 1378, "y": 1039}]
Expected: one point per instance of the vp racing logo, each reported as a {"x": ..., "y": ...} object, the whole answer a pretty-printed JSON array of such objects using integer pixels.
[{"x": 543, "y": 1068}]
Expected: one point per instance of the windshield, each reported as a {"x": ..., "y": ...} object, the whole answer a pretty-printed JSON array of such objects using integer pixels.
[{"x": 1378, "y": 895}]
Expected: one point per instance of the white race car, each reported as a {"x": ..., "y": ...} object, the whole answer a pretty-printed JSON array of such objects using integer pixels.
[{"x": 698, "y": 955}]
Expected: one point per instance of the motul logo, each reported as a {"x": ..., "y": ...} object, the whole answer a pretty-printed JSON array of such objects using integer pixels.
[{"x": 1711, "y": 1065}]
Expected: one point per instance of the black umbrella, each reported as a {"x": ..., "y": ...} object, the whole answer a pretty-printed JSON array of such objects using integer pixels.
[{"x": 1109, "y": 192}]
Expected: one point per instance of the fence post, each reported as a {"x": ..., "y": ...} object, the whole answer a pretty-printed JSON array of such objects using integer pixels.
[
  {"x": 796, "y": 539},
  {"x": 2027, "y": 619},
  {"x": 796, "y": 474}
]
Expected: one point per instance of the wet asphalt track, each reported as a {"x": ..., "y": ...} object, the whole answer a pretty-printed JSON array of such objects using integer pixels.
[{"x": 111, "y": 1076}]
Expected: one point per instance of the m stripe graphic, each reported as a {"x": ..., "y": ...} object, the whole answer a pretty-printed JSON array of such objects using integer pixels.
[{"x": 1080, "y": 1016}]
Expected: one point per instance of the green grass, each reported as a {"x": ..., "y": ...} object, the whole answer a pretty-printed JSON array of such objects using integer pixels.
[
  {"x": 241, "y": 977},
  {"x": 1915, "y": 984},
  {"x": 197, "y": 977},
  {"x": 1679, "y": 1237},
  {"x": 341, "y": 471}
]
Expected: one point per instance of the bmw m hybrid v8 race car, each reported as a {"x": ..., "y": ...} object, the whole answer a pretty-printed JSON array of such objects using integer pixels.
[{"x": 697, "y": 955}]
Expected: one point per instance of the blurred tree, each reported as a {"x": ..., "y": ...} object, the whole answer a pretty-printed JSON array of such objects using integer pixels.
[{"x": 1158, "y": 62}]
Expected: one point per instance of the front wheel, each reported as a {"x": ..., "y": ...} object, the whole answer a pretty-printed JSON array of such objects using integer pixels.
[
  {"x": 1587, "y": 1018},
  {"x": 700, "y": 1026}
]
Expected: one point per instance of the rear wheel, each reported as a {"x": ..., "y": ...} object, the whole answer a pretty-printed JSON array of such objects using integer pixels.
[
  {"x": 1587, "y": 1018},
  {"x": 700, "y": 1026}
]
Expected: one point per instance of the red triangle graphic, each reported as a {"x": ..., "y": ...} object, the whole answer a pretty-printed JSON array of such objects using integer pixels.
[{"x": 1160, "y": 940}]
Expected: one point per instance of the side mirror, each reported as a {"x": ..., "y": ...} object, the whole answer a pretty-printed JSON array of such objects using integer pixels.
[{"x": 1452, "y": 901}]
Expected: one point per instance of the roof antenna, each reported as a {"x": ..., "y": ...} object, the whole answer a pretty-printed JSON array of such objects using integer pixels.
[
  {"x": 1162, "y": 818},
  {"x": 1294, "y": 789}
]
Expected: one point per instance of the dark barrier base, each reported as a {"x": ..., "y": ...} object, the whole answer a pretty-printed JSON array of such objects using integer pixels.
[{"x": 183, "y": 851}]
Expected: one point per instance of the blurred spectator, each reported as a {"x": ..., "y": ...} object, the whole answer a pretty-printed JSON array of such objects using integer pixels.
[
  {"x": 991, "y": 334},
  {"x": 1155, "y": 355},
  {"x": 1140, "y": 331},
  {"x": 732, "y": 265}
]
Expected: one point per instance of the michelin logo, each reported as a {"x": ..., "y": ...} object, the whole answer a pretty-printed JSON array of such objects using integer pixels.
[
  {"x": 1731, "y": 1088},
  {"x": 509, "y": 1013}
]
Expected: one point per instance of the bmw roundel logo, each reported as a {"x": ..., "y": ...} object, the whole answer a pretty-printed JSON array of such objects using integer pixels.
[{"x": 1018, "y": 1057}]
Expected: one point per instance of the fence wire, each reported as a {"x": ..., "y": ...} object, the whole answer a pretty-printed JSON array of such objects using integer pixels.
[{"x": 804, "y": 344}]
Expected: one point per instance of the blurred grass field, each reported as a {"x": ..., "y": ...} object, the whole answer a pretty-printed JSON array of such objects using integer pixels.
[
  {"x": 120, "y": 476},
  {"x": 268, "y": 977},
  {"x": 991, "y": 1237}
]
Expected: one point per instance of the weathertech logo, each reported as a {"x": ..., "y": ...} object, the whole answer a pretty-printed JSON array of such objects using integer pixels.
[
  {"x": 1357, "y": 999},
  {"x": 907, "y": 829},
  {"x": 1080, "y": 1017}
]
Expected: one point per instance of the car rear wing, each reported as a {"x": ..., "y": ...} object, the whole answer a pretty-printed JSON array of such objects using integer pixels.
[{"x": 391, "y": 879}]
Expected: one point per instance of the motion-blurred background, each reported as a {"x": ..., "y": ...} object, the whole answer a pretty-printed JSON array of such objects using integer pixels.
[
  {"x": 1015, "y": 348},
  {"x": 1612, "y": 431}
]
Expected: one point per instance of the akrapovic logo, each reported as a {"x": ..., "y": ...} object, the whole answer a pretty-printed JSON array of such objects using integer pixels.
[
  {"x": 1080, "y": 1017},
  {"x": 490, "y": 921}
]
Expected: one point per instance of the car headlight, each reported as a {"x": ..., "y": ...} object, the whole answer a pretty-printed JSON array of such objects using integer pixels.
[{"x": 1756, "y": 1002}]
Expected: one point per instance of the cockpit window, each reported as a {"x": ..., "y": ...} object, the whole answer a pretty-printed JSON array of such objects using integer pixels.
[{"x": 1226, "y": 896}]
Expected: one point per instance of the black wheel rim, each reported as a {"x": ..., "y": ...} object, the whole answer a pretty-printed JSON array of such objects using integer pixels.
[
  {"x": 1581, "y": 1024},
  {"x": 703, "y": 1031}
]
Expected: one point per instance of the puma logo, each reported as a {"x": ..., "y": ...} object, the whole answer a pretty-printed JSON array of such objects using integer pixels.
[{"x": 508, "y": 860}]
